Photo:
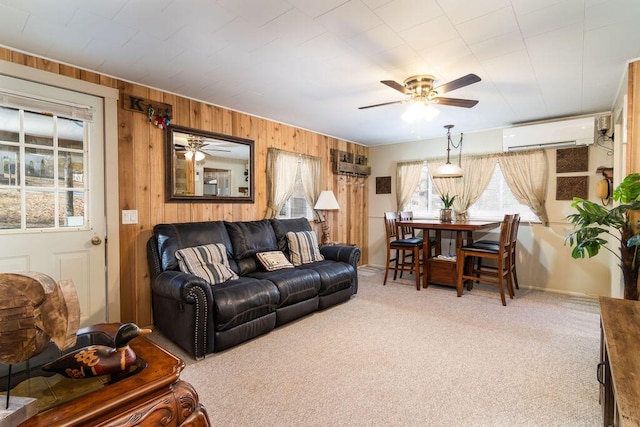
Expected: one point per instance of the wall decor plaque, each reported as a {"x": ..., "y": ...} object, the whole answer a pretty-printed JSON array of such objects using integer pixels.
[
  {"x": 383, "y": 185},
  {"x": 568, "y": 187},
  {"x": 572, "y": 159}
]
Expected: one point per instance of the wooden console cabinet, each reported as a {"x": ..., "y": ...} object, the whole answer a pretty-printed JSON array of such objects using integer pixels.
[
  {"x": 152, "y": 397},
  {"x": 619, "y": 367}
]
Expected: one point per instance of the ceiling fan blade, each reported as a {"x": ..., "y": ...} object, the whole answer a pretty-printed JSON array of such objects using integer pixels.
[
  {"x": 455, "y": 102},
  {"x": 458, "y": 83},
  {"x": 397, "y": 86},
  {"x": 380, "y": 105}
]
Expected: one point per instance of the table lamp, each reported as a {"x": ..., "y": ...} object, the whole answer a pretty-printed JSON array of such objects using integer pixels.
[{"x": 326, "y": 202}]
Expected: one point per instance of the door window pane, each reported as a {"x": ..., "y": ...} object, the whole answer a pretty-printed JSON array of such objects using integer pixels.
[
  {"x": 70, "y": 170},
  {"x": 70, "y": 133},
  {"x": 10, "y": 214},
  {"x": 9, "y": 125},
  {"x": 38, "y": 129},
  {"x": 40, "y": 209},
  {"x": 10, "y": 165},
  {"x": 71, "y": 212},
  {"x": 37, "y": 173}
]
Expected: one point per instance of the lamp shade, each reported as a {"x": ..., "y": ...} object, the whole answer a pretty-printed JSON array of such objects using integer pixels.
[
  {"x": 326, "y": 201},
  {"x": 448, "y": 170}
]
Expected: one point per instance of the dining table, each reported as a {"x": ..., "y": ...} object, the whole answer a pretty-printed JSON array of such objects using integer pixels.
[{"x": 438, "y": 269}]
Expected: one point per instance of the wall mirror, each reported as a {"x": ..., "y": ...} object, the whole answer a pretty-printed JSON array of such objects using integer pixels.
[{"x": 205, "y": 166}]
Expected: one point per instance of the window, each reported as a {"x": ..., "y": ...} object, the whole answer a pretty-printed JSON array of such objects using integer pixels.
[
  {"x": 42, "y": 175},
  {"x": 496, "y": 200},
  {"x": 297, "y": 206}
]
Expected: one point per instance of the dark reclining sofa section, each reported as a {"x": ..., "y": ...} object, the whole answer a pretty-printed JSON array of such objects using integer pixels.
[{"x": 203, "y": 318}]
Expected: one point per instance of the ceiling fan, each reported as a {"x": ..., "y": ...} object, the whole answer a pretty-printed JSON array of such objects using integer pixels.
[
  {"x": 420, "y": 88},
  {"x": 196, "y": 146}
]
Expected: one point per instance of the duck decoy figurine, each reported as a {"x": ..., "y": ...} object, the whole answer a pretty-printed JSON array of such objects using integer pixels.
[{"x": 96, "y": 360}]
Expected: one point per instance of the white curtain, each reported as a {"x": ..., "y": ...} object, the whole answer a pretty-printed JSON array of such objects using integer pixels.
[
  {"x": 310, "y": 170},
  {"x": 282, "y": 167},
  {"x": 407, "y": 180},
  {"x": 468, "y": 189},
  {"x": 526, "y": 174}
]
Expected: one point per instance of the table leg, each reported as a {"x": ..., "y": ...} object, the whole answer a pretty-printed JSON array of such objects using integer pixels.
[{"x": 426, "y": 250}]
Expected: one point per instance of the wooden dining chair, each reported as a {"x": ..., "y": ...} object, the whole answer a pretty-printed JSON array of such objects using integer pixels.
[
  {"x": 513, "y": 245},
  {"x": 405, "y": 232},
  {"x": 397, "y": 245},
  {"x": 467, "y": 269}
]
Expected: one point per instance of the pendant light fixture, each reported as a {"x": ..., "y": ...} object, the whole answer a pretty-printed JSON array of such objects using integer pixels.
[{"x": 449, "y": 170}]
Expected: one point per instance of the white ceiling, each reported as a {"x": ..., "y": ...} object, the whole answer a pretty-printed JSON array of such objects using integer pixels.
[{"x": 312, "y": 63}]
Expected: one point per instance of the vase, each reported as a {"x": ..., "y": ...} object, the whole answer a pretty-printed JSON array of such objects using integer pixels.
[{"x": 446, "y": 215}]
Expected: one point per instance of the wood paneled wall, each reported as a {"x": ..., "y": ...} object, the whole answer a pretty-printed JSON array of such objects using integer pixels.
[{"x": 141, "y": 176}]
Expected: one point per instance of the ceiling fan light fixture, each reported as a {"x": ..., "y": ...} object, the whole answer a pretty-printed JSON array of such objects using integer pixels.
[
  {"x": 188, "y": 155},
  {"x": 199, "y": 156},
  {"x": 419, "y": 110}
]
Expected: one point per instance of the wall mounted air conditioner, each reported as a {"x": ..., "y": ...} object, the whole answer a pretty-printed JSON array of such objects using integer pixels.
[{"x": 556, "y": 134}]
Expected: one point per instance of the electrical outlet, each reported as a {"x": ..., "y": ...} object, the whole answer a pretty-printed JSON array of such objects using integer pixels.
[{"x": 130, "y": 217}]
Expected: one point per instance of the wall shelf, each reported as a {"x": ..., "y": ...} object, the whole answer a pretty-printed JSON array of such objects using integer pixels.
[{"x": 345, "y": 163}]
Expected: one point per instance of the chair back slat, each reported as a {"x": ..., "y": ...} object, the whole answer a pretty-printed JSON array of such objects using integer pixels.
[
  {"x": 505, "y": 233},
  {"x": 515, "y": 223},
  {"x": 391, "y": 225},
  {"x": 406, "y": 231}
]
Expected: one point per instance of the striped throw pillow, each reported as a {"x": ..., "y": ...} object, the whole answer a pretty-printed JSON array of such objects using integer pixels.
[
  {"x": 208, "y": 262},
  {"x": 273, "y": 260},
  {"x": 303, "y": 247}
]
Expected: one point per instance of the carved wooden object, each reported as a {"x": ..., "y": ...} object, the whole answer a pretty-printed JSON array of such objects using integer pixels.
[
  {"x": 155, "y": 396},
  {"x": 33, "y": 310}
]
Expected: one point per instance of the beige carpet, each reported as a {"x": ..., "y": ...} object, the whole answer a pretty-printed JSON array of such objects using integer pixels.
[{"x": 394, "y": 356}]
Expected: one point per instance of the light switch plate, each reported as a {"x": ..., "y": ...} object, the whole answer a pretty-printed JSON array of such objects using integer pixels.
[{"x": 130, "y": 217}]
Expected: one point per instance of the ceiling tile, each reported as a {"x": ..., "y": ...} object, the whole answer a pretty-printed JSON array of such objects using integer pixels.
[
  {"x": 611, "y": 44},
  {"x": 430, "y": 33},
  {"x": 445, "y": 53},
  {"x": 155, "y": 22},
  {"x": 315, "y": 8},
  {"x": 294, "y": 27},
  {"x": 58, "y": 12},
  {"x": 12, "y": 22},
  {"x": 522, "y": 7},
  {"x": 375, "y": 40},
  {"x": 349, "y": 19},
  {"x": 98, "y": 27},
  {"x": 557, "y": 16},
  {"x": 403, "y": 14},
  {"x": 488, "y": 26},
  {"x": 612, "y": 12},
  {"x": 257, "y": 13},
  {"x": 498, "y": 46},
  {"x": 459, "y": 11}
]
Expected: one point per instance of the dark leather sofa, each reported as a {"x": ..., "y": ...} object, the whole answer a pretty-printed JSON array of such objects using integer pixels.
[{"x": 203, "y": 319}]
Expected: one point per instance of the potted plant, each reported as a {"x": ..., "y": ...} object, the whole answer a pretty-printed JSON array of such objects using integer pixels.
[
  {"x": 446, "y": 211},
  {"x": 594, "y": 222}
]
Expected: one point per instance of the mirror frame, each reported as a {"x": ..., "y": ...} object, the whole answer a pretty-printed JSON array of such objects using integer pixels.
[{"x": 171, "y": 196}]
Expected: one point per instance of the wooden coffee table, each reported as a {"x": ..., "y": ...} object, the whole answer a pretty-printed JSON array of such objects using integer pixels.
[{"x": 153, "y": 396}]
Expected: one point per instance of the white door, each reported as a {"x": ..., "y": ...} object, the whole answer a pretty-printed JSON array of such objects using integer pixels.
[{"x": 52, "y": 213}]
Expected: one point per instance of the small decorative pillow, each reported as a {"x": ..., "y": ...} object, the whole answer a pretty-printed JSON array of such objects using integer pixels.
[
  {"x": 273, "y": 260},
  {"x": 208, "y": 262},
  {"x": 303, "y": 247}
]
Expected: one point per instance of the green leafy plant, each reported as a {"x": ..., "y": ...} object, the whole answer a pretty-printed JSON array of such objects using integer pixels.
[
  {"x": 447, "y": 201},
  {"x": 594, "y": 222}
]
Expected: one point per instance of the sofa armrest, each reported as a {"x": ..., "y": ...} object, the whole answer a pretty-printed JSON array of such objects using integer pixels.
[
  {"x": 180, "y": 286},
  {"x": 343, "y": 253}
]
